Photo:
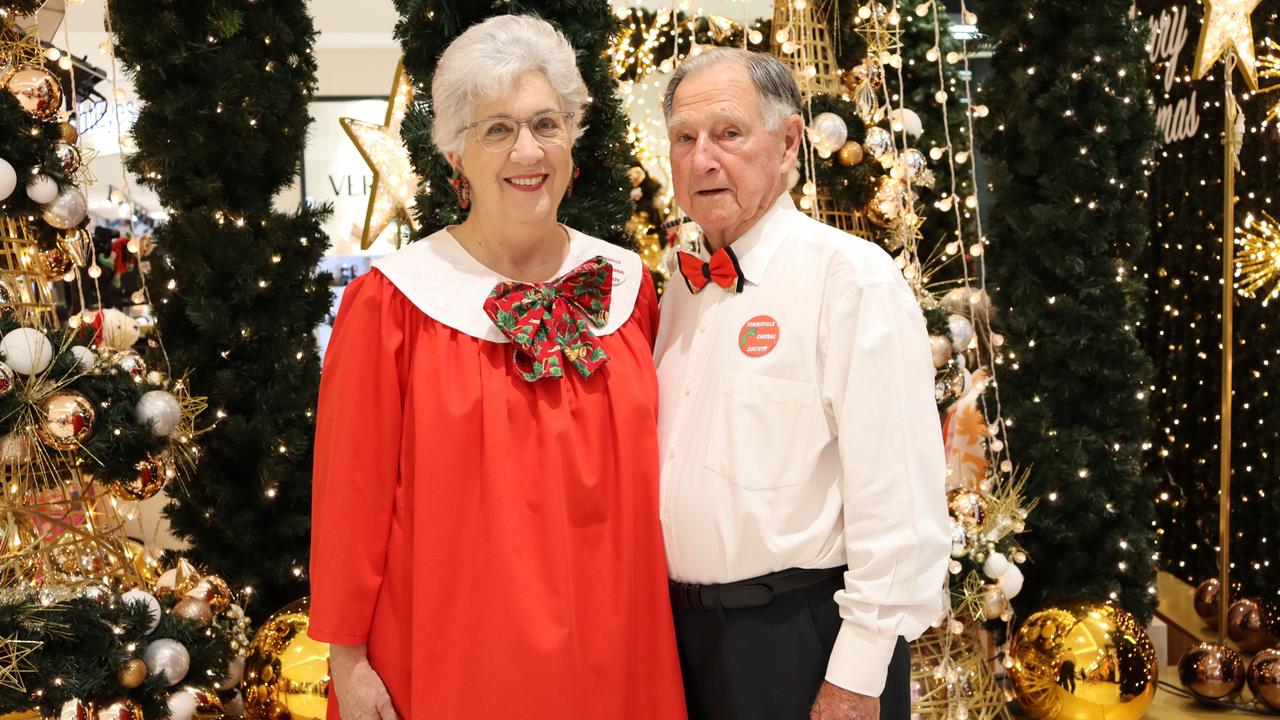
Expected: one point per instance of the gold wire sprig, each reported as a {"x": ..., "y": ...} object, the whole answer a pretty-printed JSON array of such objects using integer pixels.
[
  {"x": 1258, "y": 261},
  {"x": 14, "y": 662}
]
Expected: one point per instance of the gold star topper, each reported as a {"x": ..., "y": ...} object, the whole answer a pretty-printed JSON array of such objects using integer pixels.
[
  {"x": 1226, "y": 26},
  {"x": 391, "y": 197}
]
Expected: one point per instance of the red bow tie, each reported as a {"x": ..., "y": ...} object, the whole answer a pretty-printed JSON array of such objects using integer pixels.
[{"x": 722, "y": 268}]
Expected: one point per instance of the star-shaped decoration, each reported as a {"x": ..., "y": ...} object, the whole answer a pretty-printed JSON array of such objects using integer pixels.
[
  {"x": 1226, "y": 26},
  {"x": 14, "y": 662},
  {"x": 391, "y": 197}
]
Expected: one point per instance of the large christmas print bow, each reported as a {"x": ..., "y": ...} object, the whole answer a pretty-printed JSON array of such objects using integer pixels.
[{"x": 547, "y": 322}]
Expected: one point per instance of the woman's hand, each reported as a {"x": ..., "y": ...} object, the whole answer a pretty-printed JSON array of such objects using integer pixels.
[{"x": 360, "y": 692}]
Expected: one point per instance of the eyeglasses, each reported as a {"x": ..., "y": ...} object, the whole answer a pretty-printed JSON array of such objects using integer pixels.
[{"x": 499, "y": 134}]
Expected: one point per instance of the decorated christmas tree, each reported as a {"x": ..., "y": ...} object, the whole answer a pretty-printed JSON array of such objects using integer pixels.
[
  {"x": 225, "y": 87},
  {"x": 1067, "y": 146}
]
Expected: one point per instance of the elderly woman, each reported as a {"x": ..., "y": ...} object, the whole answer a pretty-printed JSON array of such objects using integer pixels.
[{"x": 485, "y": 538}]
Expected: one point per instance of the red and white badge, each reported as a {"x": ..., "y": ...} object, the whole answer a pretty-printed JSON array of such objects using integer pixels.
[{"x": 759, "y": 336}]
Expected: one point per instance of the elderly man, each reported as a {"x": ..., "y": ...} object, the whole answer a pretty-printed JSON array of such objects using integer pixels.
[{"x": 802, "y": 481}]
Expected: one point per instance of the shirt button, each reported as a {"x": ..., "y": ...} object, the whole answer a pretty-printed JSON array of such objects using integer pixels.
[
  {"x": 702, "y": 329},
  {"x": 687, "y": 391}
]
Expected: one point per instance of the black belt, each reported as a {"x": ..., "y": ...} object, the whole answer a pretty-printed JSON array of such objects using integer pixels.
[{"x": 755, "y": 592}]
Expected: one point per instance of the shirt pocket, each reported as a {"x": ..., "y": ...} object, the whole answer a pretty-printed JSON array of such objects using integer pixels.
[{"x": 762, "y": 431}]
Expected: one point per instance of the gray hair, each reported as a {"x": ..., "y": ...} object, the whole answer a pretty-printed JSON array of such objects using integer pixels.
[
  {"x": 777, "y": 88},
  {"x": 483, "y": 63}
]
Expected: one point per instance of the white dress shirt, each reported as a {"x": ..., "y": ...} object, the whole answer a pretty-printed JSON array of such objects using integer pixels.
[{"x": 798, "y": 429}]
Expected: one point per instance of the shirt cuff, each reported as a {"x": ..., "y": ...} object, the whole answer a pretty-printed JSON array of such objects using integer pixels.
[{"x": 860, "y": 660}]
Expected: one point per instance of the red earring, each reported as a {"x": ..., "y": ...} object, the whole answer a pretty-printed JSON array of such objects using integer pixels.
[
  {"x": 568, "y": 191},
  {"x": 462, "y": 189}
]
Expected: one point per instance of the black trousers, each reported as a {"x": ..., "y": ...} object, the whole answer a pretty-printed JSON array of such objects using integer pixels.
[{"x": 767, "y": 663}]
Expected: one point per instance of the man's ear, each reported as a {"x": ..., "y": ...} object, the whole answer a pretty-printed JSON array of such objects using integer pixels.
[{"x": 792, "y": 137}]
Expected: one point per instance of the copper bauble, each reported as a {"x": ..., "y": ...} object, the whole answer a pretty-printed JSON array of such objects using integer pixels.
[
  {"x": 286, "y": 672},
  {"x": 8, "y": 379},
  {"x": 68, "y": 156},
  {"x": 53, "y": 263},
  {"x": 148, "y": 480},
  {"x": 1264, "y": 677},
  {"x": 850, "y": 153},
  {"x": 66, "y": 420},
  {"x": 120, "y": 710},
  {"x": 1211, "y": 670},
  {"x": 1083, "y": 661},
  {"x": 213, "y": 590},
  {"x": 131, "y": 362},
  {"x": 132, "y": 673},
  {"x": 73, "y": 709},
  {"x": 1206, "y": 601},
  {"x": 38, "y": 91},
  {"x": 195, "y": 610},
  {"x": 968, "y": 507},
  {"x": 1247, "y": 626}
]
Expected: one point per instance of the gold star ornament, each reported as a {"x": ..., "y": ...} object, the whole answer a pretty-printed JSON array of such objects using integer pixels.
[
  {"x": 391, "y": 197},
  {"x": 1226, "y": 27},
  {"x": 14, "y": 662}
]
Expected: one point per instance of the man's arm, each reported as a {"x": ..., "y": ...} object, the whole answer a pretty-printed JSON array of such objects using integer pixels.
[{"x": 878, "y": 386}]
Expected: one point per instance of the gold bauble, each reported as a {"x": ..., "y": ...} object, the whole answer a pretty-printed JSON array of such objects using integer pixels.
[
  {"x": 1211, "y": 670},
  {"x": 132, "y": 673},
  {"x": 68, "y": 156},
  {"x": 1247, "y": 626},
  {"x": 53, "y": 263},
  {"x": 66, "y": 420},
  {"x": 888, "y": 203},
  {"x": 194, "y": 609},
  {"x": 145, "y": 564},
  {"x": 1264, "y": 678},
  {"x": 212, "y": 590},
  {"x": 1083, "y": 661},
  {"x": 67, "y": 133},
  {"x": 286, "y": 673},
  {"x": 850, "y": 153},
  {"x": 38, "y": 91},
  {"x": 177, "y": 580},
  {"x": 23, "y": 715},
  {"x": 208, "y": 704},
  {"x": 120, "y": 710},
  {"x": 969, "y": 508},
  {"x": 1206, "y": 601},
  {"x": 148, "y": 480},
  {"x": 78, "y": 246}
]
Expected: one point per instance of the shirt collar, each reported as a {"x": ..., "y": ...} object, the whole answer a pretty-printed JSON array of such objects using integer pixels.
[{"x": 756, "y": 247}]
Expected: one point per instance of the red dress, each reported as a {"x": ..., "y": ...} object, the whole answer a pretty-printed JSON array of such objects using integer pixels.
[{"x": 494, "y": 541}]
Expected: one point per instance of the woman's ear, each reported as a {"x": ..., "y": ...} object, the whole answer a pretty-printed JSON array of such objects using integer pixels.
[{"x": 455, "y": 161}]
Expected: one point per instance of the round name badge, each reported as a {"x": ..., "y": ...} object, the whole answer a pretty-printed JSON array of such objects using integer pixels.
[{"x": 758, "y": 336}]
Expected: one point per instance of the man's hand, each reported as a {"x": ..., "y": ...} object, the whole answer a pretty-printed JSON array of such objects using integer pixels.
[
  {"x": 836, "y": 703},
  {"x": 361, "y": 694}
]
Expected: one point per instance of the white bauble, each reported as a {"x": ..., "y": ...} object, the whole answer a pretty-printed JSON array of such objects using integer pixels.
[
  {"x": 996, "y": 565},
  {"x": 909, "y": 119},
  {"x": 8, "y": 179},
  {"x": 67, "y": 210},
  {"x": 27, "y": 351},
  {"x": 961, "y": 331},
  {"x": 146, "y": 598},
  {"x": 169, "y": 658},
  {"x": 119, "y": 331},
  {"x": 42, "y": 189},
  {"x": 182, "y": 705},
  {"x": 828, "y": 132},
  {"x": 1011, "y": 582},
  {"x": 85, "y": 357},
  {"x": 15, "y": 448},
  {"x": 160, "y": 410}
]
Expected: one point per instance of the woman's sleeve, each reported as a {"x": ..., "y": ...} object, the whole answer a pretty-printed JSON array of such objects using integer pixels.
[
  {"x": 646, "y": 308},
  {"x": 357, "y": 449}
]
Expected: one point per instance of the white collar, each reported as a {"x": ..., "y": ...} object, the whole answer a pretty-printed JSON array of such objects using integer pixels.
[
  {"x": 756, "y": 247},
  {"x": 444, "y": 281}
]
